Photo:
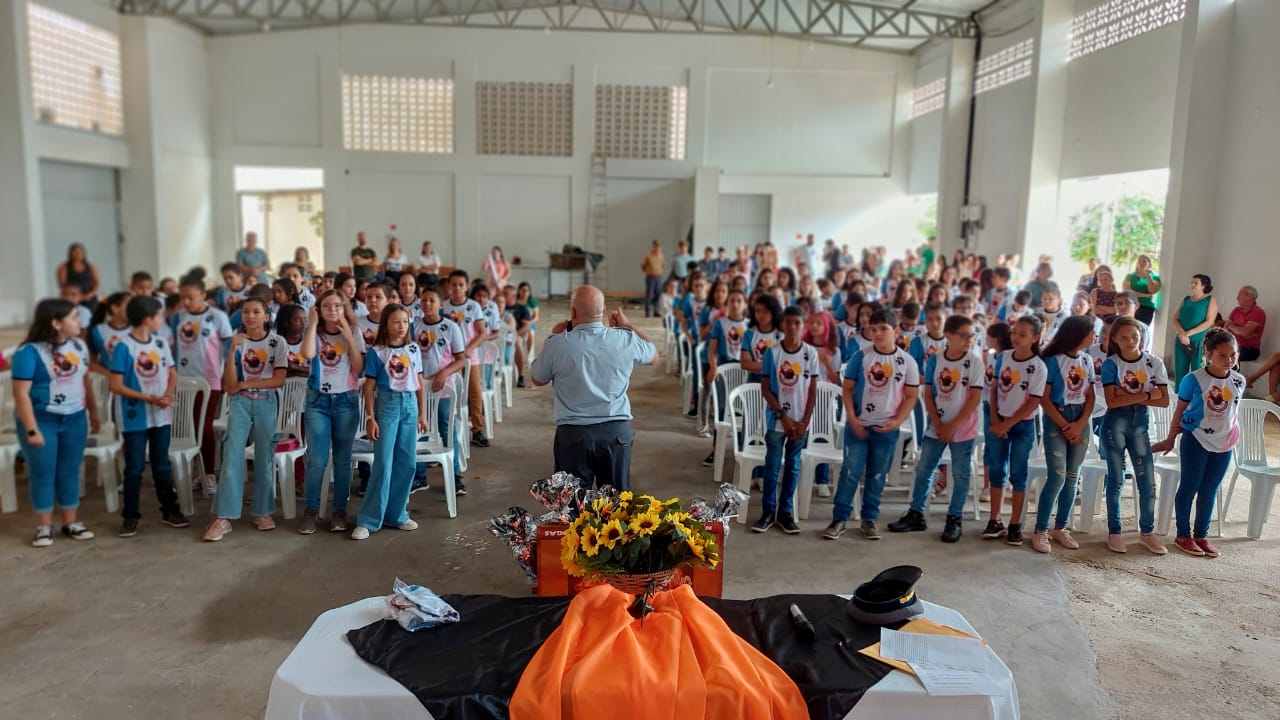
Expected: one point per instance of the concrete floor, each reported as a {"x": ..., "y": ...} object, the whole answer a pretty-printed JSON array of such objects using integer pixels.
[{"x": 162, "y": 625}]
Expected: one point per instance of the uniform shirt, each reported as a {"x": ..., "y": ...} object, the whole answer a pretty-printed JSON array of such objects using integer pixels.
[
  {"x": 396, "y": 369},
  {"x": 950, "y": 382},
  {"x": 367, "y": 330},
  {"x": 1098, "y": 357},
  {"x": 1142, "y": 375},
  {"x": 439, "y": 344},
  {"x": 789, "y": 375},
  {"x": 997, "y": 299},
  {"x": 691, "y": 310},
  {"x": 1213, "y": 408},
  {"x": 1069, "y": 379},
  {"x": 331, "y": 369},
  {"x": 56, "y": 375},
  {"x": 880, "y": 383},
  {"x": 145, "y": 368},
  {"x": 361, "y": 310},
  {"x": 848, "y": 339},
  {"x": 728, "y": 335},
  {"x": 258, "y": 360},
  {"x": 1016, "y": 381},
  {"x": 103, "y": 339},
  {"x": 84, "y": 315},
  {"x": 306, "y": 299},
  {"x": 465, "y": 316},
  {"x": 590, "y": 368},
  {"x": 1009, "y": 314},
  {"x": 226, "y": 295},
  {"x": 924, "y": 347},
  {"x": 200, "y": 351},
  {"x": 1052, "y": 321},
  {"x": 293, "y": 356},
  {"x": 757, "y": 342},
  {"x": 414, "y": 308}
]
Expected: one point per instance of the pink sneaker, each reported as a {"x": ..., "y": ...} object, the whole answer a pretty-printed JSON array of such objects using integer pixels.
[
  {"x": 1152, "y": 543},
  {"x": 1207, "y": 547},
  {"x": 216, "y": 529},
  {"x": 1040, "y": 542},
  {"x": 1189, "y": 546},
  {"x": 1063, "y": 537},
  {"x": 264, "y": 523},
  {"x": 1115, "y": 543}
]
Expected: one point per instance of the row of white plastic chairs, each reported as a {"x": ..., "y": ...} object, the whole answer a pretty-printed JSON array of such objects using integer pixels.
[
  {"x": 741, "y": 433},
  {"x": 106, "y": 447}
]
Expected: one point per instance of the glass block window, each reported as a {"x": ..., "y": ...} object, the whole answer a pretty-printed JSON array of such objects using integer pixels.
[
  {"x": 644, "y": 122},
  {"x": 304, "y": 203},
  {"x": 1010, "y": 64},
  {"x": 75, "y": 72},
  {"x": 928, "y": 98},
  {"x": 524, "y": 118},
  {"x": 397, "y": 114},
  {"x": 1118, "y": 20}
]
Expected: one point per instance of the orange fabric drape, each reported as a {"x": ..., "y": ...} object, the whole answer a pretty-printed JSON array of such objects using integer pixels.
[{"x": 682, "y": 663}]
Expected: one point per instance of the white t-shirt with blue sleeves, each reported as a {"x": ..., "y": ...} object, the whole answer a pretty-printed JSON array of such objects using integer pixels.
[
  {"x": 144, "y": 367},
  {"x": 1213, "y": 408},
  {"x": 1142, "y": 375},
  {"x": 880, "y": 382},
  {"x": 440, "y": 343},
  {"x": 950, "y": 381},
  {"x": 397, "y": 369},
  {"x": 57, "y": 375},
  {"x": 1017, "y": 381},
  {"x": 729, "y": 335},
  {"x": 789, "y": 375},
  {"x": 757, "y": 342},
  {"x": 103, "y": 339},
  {"x": 1069, "y": 379},
  {"x": 331, "y": 369}
]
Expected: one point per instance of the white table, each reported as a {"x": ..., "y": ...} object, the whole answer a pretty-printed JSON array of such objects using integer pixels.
[{"x": 324, "y": 679}]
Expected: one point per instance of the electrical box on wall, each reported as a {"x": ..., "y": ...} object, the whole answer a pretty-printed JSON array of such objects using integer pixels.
[{"x": 972, "y": 214}]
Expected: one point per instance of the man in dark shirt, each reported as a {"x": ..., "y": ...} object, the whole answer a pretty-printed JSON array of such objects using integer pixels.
[{"x": 364, "y": 260}]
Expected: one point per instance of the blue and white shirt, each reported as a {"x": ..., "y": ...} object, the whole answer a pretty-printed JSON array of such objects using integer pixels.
[
  {"x": 789, "y": 375},
  {"x": 923, "y": 347},
  {"x": 1213, "y": 408},
  {"x": 57, "y": 375},
  {"x": 258, "y": 360},
  {"x": 200, "y": 347},
  {"x": 880, "y": 383},
  {"x": 1142, "y": 375},
  {"x": 729, "y": 335},
  {"x": 757, "y": 342},
  {"x": 1069, "y": 379},
  {"x": 103, "y": 339},
  {"x": 465, "y": 316},
  {"x": 439, "y": 344},
  {"x": 145, "y": 368},
  {"x": 331, "y": 369},
  {"x": 1016, "y": 381},
  {"x": 950, "y": 382},
  {"x": 395, "y": 369}
]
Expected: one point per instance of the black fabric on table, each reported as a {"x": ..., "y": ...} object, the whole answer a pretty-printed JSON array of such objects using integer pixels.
[{"x": 469, "y": 670}]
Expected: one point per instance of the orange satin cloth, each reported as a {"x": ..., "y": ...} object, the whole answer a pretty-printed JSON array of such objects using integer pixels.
[{"x": 684, "y": 663}]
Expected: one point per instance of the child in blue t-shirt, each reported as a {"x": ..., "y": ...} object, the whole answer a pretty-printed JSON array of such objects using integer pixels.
[
  {"x": 109, "y": 323},
  {"x": 790, "y": 387},
  {"x": 724, "y": 346},
  {"x": 143, "y": 376}
]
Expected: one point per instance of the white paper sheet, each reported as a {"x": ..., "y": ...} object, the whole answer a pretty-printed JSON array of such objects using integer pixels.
[
  {"x": 939, "y": 680},
  {"x": 944, "y": 651}
]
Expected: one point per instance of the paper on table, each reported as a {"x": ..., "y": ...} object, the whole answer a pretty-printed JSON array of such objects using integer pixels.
[
  {"x": 935, "y": 650},
  {"x": 918, "y": 625},
  {"x": 946, "y": 681}
]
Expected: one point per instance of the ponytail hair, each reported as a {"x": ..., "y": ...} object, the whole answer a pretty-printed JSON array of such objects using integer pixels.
[
  {"x": 1073, "y": 332},
  {"x": 1000, "y": 333},
  {"x": 103, "y": 309},
  {"x": 1214, "y": 337},
  {"x": 1037, "y": 327}
]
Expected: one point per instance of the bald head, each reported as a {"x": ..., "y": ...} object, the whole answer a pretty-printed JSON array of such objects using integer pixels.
[{"x": 587, "y": 304}]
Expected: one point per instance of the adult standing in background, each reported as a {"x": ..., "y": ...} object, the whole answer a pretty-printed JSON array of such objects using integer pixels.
[
  {"x": 428, "y": 262},
  {"x": 1194, "y": 318},
  {"x": 302, "y": 258},
  {"x": 1040, "y": 283},
  {"x": 1144, "y": 283},
  {"x": 396, "y": 261},
  {"x": 497, "y": 270},
  {"x": 253, "y": 260},
  {"x": 680, "y": 263},
  {"x": 1247, "y": 321},
  {"x": 78, "y": 271},
  {"x": 589, "y": 367},
  {"x": 806, "y": 253},
  {"x": 364, "y": 260},
  {"x": 831, "y": 256},
  {"x": 652, "y": 266}
]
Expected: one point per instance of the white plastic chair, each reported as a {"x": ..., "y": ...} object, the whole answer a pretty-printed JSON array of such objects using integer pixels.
[
  {"x": 1093, "y": 476},
  {"x": 687, "y": 371},
  {"x": 490, "y": 354},
  {"x": 9, "y": 447},
  {"x": 437, "y": 449},
  {"x": 700, "y": 384},
  {"x": 507, "y": 373},
  {"x": 1253, "y": 463},
  {"x": 106, "y": 445},
  {"x": 1167, "y": 469},
  {"x": 184, "y": 442},
  {"x": 671, "y": 340},
  {"x": 462, "y": 415},
  {"x": 747, "y": 413},
  {"x": 732, "y": 376},
  {"x": 219, "y": 426},
  {"x": 825, "y": 445},
  {"x": 293, "y": 400}
]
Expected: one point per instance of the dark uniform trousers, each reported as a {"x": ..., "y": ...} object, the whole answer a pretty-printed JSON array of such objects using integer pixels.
[{"x": 597, "y": 454}]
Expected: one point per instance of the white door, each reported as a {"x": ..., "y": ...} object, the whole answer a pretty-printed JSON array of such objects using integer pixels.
[{"x": 80, "y": 205}]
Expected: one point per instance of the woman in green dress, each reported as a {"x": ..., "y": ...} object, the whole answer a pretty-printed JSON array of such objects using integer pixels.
[
  {"x": 1144, "y": 283},
  {"x": 1195, "y": 316}
]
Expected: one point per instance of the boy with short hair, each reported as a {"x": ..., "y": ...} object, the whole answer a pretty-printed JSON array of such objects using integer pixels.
[
  {"x": 953, "y": 380},
  {"x": 881, "y": 385},
  {"x": 469, "y": 316},
  {"x": 141, "y": 284},
  {"x": 909, "y": 324},
  {"x": 234, "y": 289},
  {"x": 1020, "y": 306},
  {"x": 1000, "y": 293}
]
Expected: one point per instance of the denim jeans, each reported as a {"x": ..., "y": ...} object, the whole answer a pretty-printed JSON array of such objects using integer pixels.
[
  {"x": 1202, "y": 474},
  {"x": 961, "y": 463},
  {"x": 1007, "y": 456},
  {"x": 1062, "y": 470},
  {"x": 330, "y": 421},
  {"x": 867, "y": 459},
  {"x": 245, "y": 416},
  {"x": 386, "y": 501},
  {"x": 135, "y": 458},
  {"x": 53, "y": 470},
  {"x": 652, "y": 289},
  {"x": 781, "y": 468},
  {"x": 1126, "y": 429}
]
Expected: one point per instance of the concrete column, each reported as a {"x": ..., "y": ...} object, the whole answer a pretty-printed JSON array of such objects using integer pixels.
[
  {"x": 955, "y": 141},
  {"x": 1204, "y": 70},
  {"x": 706, "y": 207},
  {"x": 22, "y": 274},
  {"x": 1039, "y": 204}
]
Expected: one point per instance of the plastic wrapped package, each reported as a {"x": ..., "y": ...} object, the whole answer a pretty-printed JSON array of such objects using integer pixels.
[{"x": 415, "y": 607}]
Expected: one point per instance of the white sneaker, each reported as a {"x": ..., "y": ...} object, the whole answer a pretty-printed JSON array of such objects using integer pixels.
[
  {"x": 824, "y": 491},
  {"x": 408, "y": 525},
  {"x": 360, "y": 533},
  {"x": 1040, "y": 542}
]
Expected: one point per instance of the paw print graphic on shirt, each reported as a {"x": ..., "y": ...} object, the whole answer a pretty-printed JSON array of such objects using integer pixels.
[
  {"x": 59, "y": 399},
  {"x": 870, "y": 407},
  {"x": 325, "y": 387}
]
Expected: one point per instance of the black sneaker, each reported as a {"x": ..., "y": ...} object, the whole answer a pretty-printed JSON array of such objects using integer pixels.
[
  {"x": 176, "y": 519},
  {"x": 478, "y": 439},
  {"x": 129, "y": 528},
  {"x": 869, "y": 530},
  {"x": 362, "y": 489},
  {"x": 520, "y": 381},
  {"x": 692, "y": 414},
  {"x": 788, "y": 524},
  {"x": 77, "y": 531},
  {"x": 995, "y": 529},
  {"x": 44, "y": 536},
  {"x": 912, "y": 521},
  {"x": 418, "y": 486},
  {"x": 709, "y": 460},
  {"x": 834, "y": 530},
  {"x": 765, "y": 522},
  {"x": 1014, "y": 536},
  {"x": 951, "y": 533},
  {"x": 459, "y": 487}
]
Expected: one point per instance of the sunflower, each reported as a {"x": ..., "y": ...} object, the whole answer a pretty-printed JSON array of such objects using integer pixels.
[
  {"x": 644, "y": 524},
  {"x": 590, "y": 541},
  {"x": 696, "y": 547},
  {"x": 625, "y": 496},
  {"x": 612, "y": 533},
  {"x": 601, "y": 505}
]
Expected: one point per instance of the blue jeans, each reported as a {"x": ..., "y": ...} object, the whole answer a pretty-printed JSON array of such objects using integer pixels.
[
  {"x": 1009, "y": 455},
  {"x": 330, "y": 421},
  {"x": 1202, "y": 474},
  {"x": 245, "y": 416},
  {"x": 54, "y": 468},
  {"x": 961, "y": 462},
  {"x": 869, "y": 459},
  {"x": 1062, "y": 464},
  {"x": 386, "y": 501},
  {"x": 782, "y": 457},
  {"x": 135, "y": 458},
  {"x": 1126, "y": 429}
]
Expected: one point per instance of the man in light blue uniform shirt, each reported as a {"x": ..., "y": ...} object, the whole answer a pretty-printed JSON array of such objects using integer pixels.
[{"x": 589, "y": 366}]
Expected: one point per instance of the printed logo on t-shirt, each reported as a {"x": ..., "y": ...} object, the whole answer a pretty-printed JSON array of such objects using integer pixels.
[
  {"x": 399, "y": 366},
  {"x": 369, "y": 334},
  {"x": 1133, "y": 382},
  {"x": 1075, "y": 379},
  {"x": 1010, "y": 377},
  {"x": 427, "y": 338},
  {"x": 734, "y": 336},
  {"x": 990, "y": 373},
  {"x": 947, "y": 380},
  {"x": 331, "y": 353},
  {"x": 110, "y": 345},
  {"x": 761, "y": 345},
  {"x": 254, "y": 360},
  {"x": 1218, "y": 399},
  {"x": 789, "y": 373},
  {"x": 147, "y": 364},
  {"x": 65, "y": 364},
  {"x": 879, "y": 374},
  {"x": 189, "y": 330}
]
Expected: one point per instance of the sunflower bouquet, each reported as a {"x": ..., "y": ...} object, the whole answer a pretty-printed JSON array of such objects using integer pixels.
[{"x": 635, "y": 535}]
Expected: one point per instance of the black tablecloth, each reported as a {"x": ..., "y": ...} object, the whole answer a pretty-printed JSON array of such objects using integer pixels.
[{"x": 469, "y": 670}]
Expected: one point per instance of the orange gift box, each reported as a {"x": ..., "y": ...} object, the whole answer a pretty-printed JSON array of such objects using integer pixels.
[{"x": 554, "y": 580}]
